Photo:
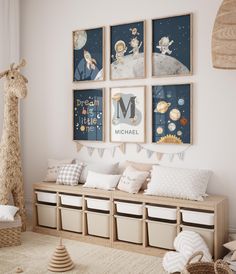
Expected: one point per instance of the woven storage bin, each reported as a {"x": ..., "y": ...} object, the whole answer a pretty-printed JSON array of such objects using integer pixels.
[
  {"x": 219, "y": 267},
  {"x": 10, "y": 233}
]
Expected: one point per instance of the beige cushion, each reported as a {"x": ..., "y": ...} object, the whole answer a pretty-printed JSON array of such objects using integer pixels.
[
  {"x": 232, "y": 247},
  {"x": 7, "y": 213},
  {"x": 132, "y": 180},
  {"x": 107, "y": 168},
  {"x": 140, "y": 167},
  {"x": 178, "y": 182},
  {"x": 233, "y": 258},
  {"x": 53, "y": 168}
]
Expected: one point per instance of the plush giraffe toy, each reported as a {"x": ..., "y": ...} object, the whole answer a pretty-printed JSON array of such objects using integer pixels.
[{"x": 11, "y": 177}]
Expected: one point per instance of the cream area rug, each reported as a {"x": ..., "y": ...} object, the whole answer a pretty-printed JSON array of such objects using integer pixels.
[{"x": 36, "y": 250}]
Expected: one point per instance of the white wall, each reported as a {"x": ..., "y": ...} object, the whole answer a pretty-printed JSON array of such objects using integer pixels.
[
  {"x": 9, "y": 41},
  {"x": 46, "y": 28}
]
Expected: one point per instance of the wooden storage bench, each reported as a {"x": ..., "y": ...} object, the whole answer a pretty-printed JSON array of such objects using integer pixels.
[{"x": 156, "y": 214}]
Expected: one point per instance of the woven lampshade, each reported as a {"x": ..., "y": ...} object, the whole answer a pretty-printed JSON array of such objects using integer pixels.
[{"x": 224, "y": 36}]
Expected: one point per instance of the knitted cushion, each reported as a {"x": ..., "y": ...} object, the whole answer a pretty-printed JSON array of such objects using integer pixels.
[
  {"x": 69, "y": 174},
  {"x": 189, "y": 242},
  {"x": 174, "y": 262}
]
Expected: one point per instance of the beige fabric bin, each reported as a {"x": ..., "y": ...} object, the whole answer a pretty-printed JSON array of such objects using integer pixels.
[
  {"x": 161, "y": 234},
  {"x": 207, "y": 235},
  {"x": 98, "y": 224},
  {"x": 47, "y": 215},
  {"x": 129, "y": 229},
  {"x": 71, "y": 219}
]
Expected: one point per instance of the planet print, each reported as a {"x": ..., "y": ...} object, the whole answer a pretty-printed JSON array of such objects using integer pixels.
[
  {"x": 162, "y": 107},
  {"x": 179, "y": 133},
  {"x": 183, "y": 121},
  {"x": 175, "y": 114},
  {"x": 181, "y": 101},
  {"x": 171, "y": 127},
  {"x": 159, "y": 130}
]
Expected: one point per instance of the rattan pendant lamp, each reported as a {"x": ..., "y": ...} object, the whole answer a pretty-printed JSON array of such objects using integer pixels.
[{"x": 224, "y": 36}]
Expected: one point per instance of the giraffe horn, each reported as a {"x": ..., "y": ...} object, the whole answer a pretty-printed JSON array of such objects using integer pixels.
[
  {"x": 12, "y": 66},
  {"x": 22, "y": 64},
  {"x": 2, "y": 74}
]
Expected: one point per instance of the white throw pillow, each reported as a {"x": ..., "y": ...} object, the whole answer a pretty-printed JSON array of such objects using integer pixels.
[
  {"x": 140, "y": 167},
  {"x": 7, "y": 213},
  {"x": 178, "y": 182},
  {"x": 132, "y": 180},
  {"x": 101, "y": 181},
  {"x": 97, "y": 167},
  {"x": 53, "y": 168},
  {"x": 69, "y": 174}
]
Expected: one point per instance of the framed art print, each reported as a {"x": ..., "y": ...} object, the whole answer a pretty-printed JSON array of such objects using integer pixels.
[
  {"x": 88, "y": 115},
  {"x": 171, "y": 114},
  {"x": 127, "y": 51},
  {"x": 172, "y": 46},
  {"x": 88, "y": 55},
  {"x": 127, "y": 110}
]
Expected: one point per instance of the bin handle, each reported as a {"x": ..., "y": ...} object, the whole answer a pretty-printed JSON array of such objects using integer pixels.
[{"x": 196, "y": 254}]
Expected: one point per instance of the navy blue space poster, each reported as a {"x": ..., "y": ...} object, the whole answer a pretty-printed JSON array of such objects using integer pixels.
[
  {"x": 171, "y": 46},
  {"x": 171, "y": 114},
  {"x": 88, "y": 57},
  {"x": 127, "y": 43},
  {"x": 88, "y": 115}
]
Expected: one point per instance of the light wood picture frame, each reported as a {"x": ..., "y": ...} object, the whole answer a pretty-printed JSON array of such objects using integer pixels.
[
  {"x": 89, "y": 115},
  {"x": 172, "y": 113},
  {"x": 89, "y": 55},
  {"x": 172, "y": 46},
  {"x": 128, "y": 114},
  {"x": 128, "y": 51}
]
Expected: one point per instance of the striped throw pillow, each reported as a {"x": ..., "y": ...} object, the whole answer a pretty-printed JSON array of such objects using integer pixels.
[{"x": 69, "y": 174}]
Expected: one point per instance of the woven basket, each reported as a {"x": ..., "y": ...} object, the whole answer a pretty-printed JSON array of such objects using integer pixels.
[
  {"x": 219, "y": 267},
  {"x": 10, "y": 233}
]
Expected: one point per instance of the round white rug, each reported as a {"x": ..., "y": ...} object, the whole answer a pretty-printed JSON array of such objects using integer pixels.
[{"x": 36, "y": 250}]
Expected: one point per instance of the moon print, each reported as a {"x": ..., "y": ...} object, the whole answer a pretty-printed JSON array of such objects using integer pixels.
[
  {"x": 179, "y": 132},
  {"x": 99, "y": 116},
  {"x": 175, "y": 114},
  {"x": 171, "y": 127},
  {"x": 80, "y": 39}
]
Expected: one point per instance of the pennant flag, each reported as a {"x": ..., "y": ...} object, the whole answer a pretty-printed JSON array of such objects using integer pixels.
[
  {"x": 90, "y": 150},
  {"x": 79, "y": 147},
  {"x": 101, "y": 152},
  {"x": 181, "y": 155},
  {"x": 113, "y": 151},
  {"x": 139, "y": 148},
  {"x": 171, "y": 157},
  {"x": 159, "y": 156},
  {"x": 122, "y": 148},
  {"x": 149, "y": 153}
]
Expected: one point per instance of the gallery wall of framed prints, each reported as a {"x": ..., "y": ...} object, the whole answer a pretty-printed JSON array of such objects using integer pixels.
[{"x": 171, "y": 104}]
